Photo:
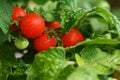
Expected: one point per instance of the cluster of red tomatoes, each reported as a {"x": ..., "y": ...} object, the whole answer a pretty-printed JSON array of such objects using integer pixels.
[{"x": 33, "y": 26}]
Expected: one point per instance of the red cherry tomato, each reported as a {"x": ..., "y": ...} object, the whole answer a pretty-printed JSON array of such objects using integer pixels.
[
  {"x": 44, "y": 42},
  {"x": 115, "y": 75},
  {"x": 17, "y": 13},
  {"x": 53, "y": 25},
  {"x": 32, "y": 26},
  {"x": 72, "y": 37}
]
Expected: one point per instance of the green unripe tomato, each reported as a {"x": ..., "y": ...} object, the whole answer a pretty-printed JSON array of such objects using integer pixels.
[{"x": 21, "y": 43}]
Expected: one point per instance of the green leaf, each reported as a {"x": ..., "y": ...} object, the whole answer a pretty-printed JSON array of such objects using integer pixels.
[
  {"x": 95, "y": 41},
  {"x": 98, "y": 25},
  {"x": 79, "y": 60},
  {"x": 18, "y": 72},
  {"x": 111, "y": 61},
  {"x": 5, "y": 15},
  {"x": 102, "y": 77},
  {"x": 42, "y": 2},
  {"x": 47, "y": 64},
  {"x": 30, "y": 73},
  {"x": 74, "y": 17},
  {"x": 99, "y": 59},
  {"x": 102, "y": 41},
  {"x": 71, "y": 18},
  {"x": 95, "y": 56},
  {"x": 101, "y": 69},
  {"x": 115, "y": 60},
  {"x": 68, "y": 4},
  {"x": 106, "y": 61},
  {"x": 103, "y": 62},
  {"x": 7, "y": 61},
  {"x": 48, "y": 10},
  {"x": 85, "y": 72},
  {"x": 3, "y": 37},
  {"x": 111, "y": 19},
  {"x": 92, "y": 54},
  {"x": 20, "y": 3},
  {"x": 65, "y": 73},
  {"x": 75, "y": 4},
  {"x": 72, "y": 14}
]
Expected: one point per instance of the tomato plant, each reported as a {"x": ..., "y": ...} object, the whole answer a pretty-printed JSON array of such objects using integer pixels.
[{"x": 58, "y": 40}]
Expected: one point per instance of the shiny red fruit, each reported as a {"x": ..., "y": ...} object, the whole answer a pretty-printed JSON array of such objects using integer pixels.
[
  {"x": 72, "y": 37},
  {"x": 53, "y": 25},
  {"x": 32, "y": 26},
  {"x": 18, "y": 13},
  {"x": 44, "y": 42}
]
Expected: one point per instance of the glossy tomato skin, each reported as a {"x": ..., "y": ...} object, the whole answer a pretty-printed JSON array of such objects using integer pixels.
[
  {"x": 32, "y": 26},
  {"x": 44, "y": 42},
  {"x": 21, "y": 43},
  {"x": 53, "y": 25},
  {"x": 72, "y": 37},
  {"x": 17, "y": 13}
]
